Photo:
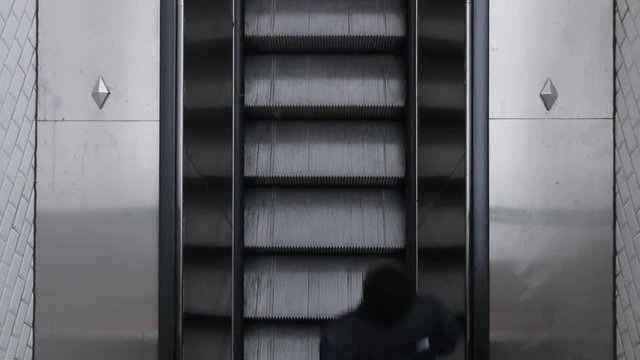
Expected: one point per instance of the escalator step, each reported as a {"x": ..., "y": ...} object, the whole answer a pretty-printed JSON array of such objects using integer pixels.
[
  {"x": 324, "y": 43},
  {"x": 269, "y": 342},
  {"x": 275, "y": 342},
  {"x": 330, "y": 219},
  {"x": 320, "y": 180},
  {"x": 324, "y": 25},
  {"x": 304, "y": 287},
  {"x": 340, "y": 150},
  {"x": 324, "y": 87}
]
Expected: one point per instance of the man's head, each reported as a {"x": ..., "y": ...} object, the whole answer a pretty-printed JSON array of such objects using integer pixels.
[{"x": 387, "y": 294}]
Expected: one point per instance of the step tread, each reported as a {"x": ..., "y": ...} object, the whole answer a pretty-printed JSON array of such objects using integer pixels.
[
  {"x": 277, "y": 149},
  {"x": 328, "y": 219},
  {"x": 324, "y": 86}
]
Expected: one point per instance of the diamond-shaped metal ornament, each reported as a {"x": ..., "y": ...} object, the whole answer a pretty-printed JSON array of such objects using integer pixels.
[
  {"x": 100, "y": 92},
  {"x": 549, "y": 94}
]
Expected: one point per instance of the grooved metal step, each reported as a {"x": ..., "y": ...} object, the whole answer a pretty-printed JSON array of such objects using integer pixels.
[
  {"x": 289, "y": 149},
  {"x": 330, "y": 219},
  {"x": 324, "y": 25},
  {"x": 324, "y": 87},
  {"x": 269, "y": 342},
  {"x": 324, "y": 43},
  {"x": 326, "y": 181},
  {"x": 305, "y": 287}
]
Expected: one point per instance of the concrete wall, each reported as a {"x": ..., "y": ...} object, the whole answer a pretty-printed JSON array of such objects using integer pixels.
[
  {"x": 627, "y": 22},
  {"x": 17, "y": 142}
]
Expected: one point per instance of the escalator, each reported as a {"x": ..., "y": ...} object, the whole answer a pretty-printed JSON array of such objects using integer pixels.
[
  {"x": 330, "y": 151},
  {"x": 324, "y": 163}
]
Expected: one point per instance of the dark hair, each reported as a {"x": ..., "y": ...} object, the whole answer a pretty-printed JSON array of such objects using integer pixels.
[{"x": 387, "y": 294}]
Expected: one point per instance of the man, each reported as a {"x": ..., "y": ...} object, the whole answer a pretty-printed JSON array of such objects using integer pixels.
[{"x": 391, "y": 323}]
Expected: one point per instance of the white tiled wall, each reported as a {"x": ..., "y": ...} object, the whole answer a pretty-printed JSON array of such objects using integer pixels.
[
  {"x": 628, "y": 178},
  {"x": 17, "y": 142}
]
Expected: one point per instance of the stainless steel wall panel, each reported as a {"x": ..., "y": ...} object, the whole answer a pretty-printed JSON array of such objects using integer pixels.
[
  {"x": 551, "y": 216},
  {"x": 97, "y": 252},
  {"x": 566, "y": 41},
  {"x": 324, "y": 219},
  {"x": 81, "y": 40}
]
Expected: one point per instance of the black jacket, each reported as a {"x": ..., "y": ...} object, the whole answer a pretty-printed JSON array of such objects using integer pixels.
[{"x": 426, "y": 331}]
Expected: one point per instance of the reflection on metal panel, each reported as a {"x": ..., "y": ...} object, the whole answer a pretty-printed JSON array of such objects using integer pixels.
[
  {"x": 207, "y": 284},
  {"x": 443, "y": 275},
  {"x": 551, "y": 188},
  {"x": 322, "y": 219},
  {"x": 207, "y": 214},
  {"x": 204, "y": 340},
  {"x": 566, "y": 41},
  {"x": 207, "y": 172},
  {"x": 441, "y": 154},
  {"x": 81, "y": 40},
  {"x": 97, "y": 255}
]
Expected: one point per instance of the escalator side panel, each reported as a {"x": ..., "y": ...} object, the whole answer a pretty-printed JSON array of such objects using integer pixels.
[
  {"x": 204, "y": 340},
  {"x": 207, "y": 285}
]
